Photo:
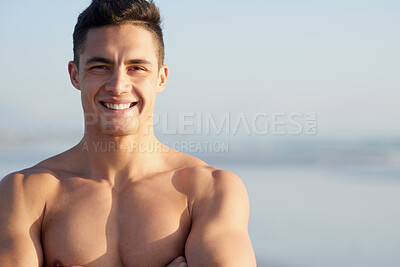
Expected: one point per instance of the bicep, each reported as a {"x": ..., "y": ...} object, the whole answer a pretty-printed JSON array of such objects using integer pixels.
[
  {"x": 20, "y": 243},
  {"x": 219, "y": 235},
  {"x": 227, "y": 248},
  {"x": 18, "y": 248}
]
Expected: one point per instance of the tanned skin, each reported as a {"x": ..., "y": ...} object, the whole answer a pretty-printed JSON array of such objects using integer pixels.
[{"x": 120, "y": 197}]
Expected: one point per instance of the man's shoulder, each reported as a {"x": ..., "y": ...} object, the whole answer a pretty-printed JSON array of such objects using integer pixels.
[
  {"x": 205, "y": 181},
  {"x": 24, "y": 194},
  {"x": 47, "y": 171},
  {"x": 195, "y": 169},
  {"x": 209, "y": 175},
  {"x": 32, "y": 181}
]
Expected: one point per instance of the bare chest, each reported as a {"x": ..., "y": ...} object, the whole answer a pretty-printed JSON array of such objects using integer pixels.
[{"x": 90, "y": 226}]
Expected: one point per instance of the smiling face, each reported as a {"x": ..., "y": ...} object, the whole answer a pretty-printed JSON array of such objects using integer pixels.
[{"x": 118, "y": 77}]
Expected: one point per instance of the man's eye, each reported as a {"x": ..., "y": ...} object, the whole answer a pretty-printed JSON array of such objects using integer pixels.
[
  {"x": 98, "y": 67},
  {"x": 137, "y": 68}
]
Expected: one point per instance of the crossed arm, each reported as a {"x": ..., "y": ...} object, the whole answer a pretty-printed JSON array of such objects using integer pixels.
[
  {"x": 218, "y": 237},
  {"x": 20, "y": 211}
]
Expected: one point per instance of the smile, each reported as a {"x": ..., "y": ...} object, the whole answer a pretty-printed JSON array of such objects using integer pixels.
[{"x": 114, "y": 106}]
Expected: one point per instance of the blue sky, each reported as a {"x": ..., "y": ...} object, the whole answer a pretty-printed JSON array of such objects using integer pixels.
[{"x": 340, "y": 59}]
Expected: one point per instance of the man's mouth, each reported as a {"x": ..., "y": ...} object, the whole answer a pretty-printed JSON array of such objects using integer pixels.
[{"x": 114, "y": 106}]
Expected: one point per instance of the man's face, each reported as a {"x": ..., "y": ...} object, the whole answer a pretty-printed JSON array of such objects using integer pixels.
[{"x": 118, "y": 78}]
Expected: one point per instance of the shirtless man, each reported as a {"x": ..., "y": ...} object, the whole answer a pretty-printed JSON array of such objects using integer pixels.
[{"x": 137, "y": 202}]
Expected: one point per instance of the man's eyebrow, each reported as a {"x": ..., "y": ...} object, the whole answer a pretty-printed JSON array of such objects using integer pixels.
[
  {"x": 98, "y": 60},
  {"x": 107, "y": 61},
  {"x": 139, "y": 61}
]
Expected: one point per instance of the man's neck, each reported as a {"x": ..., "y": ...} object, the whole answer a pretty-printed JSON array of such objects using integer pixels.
[{"x": 119, "y": 158}]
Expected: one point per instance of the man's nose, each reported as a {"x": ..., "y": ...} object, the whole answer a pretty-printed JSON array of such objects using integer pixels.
[{"x": 119, "y": 83}]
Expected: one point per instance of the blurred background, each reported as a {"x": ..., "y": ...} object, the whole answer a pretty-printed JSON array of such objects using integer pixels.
[{"x": 299, "y": 98}]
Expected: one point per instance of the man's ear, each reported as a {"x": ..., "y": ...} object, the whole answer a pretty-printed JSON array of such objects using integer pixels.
[
  {"x": 74, "y": 74},
  {"x": 162, "y": 79}
]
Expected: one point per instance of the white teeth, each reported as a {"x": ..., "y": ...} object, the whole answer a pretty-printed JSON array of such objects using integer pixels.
[{"x": 117, "y": 106}]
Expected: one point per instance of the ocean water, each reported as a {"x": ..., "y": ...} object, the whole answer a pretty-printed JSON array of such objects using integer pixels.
[
  {"x": 313, "y": 216},
  {"x": 322, "y": 205}
]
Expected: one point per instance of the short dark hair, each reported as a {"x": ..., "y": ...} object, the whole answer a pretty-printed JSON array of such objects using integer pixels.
[{"x": 119, "y": 12}]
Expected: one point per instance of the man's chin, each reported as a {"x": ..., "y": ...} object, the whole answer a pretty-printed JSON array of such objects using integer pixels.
[{"x": 119, "y": 130}]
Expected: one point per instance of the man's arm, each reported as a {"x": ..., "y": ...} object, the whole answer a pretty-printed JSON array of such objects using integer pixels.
[
  {"x": 219, "y": 235},
  {"x": 20, "y": 215}
]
